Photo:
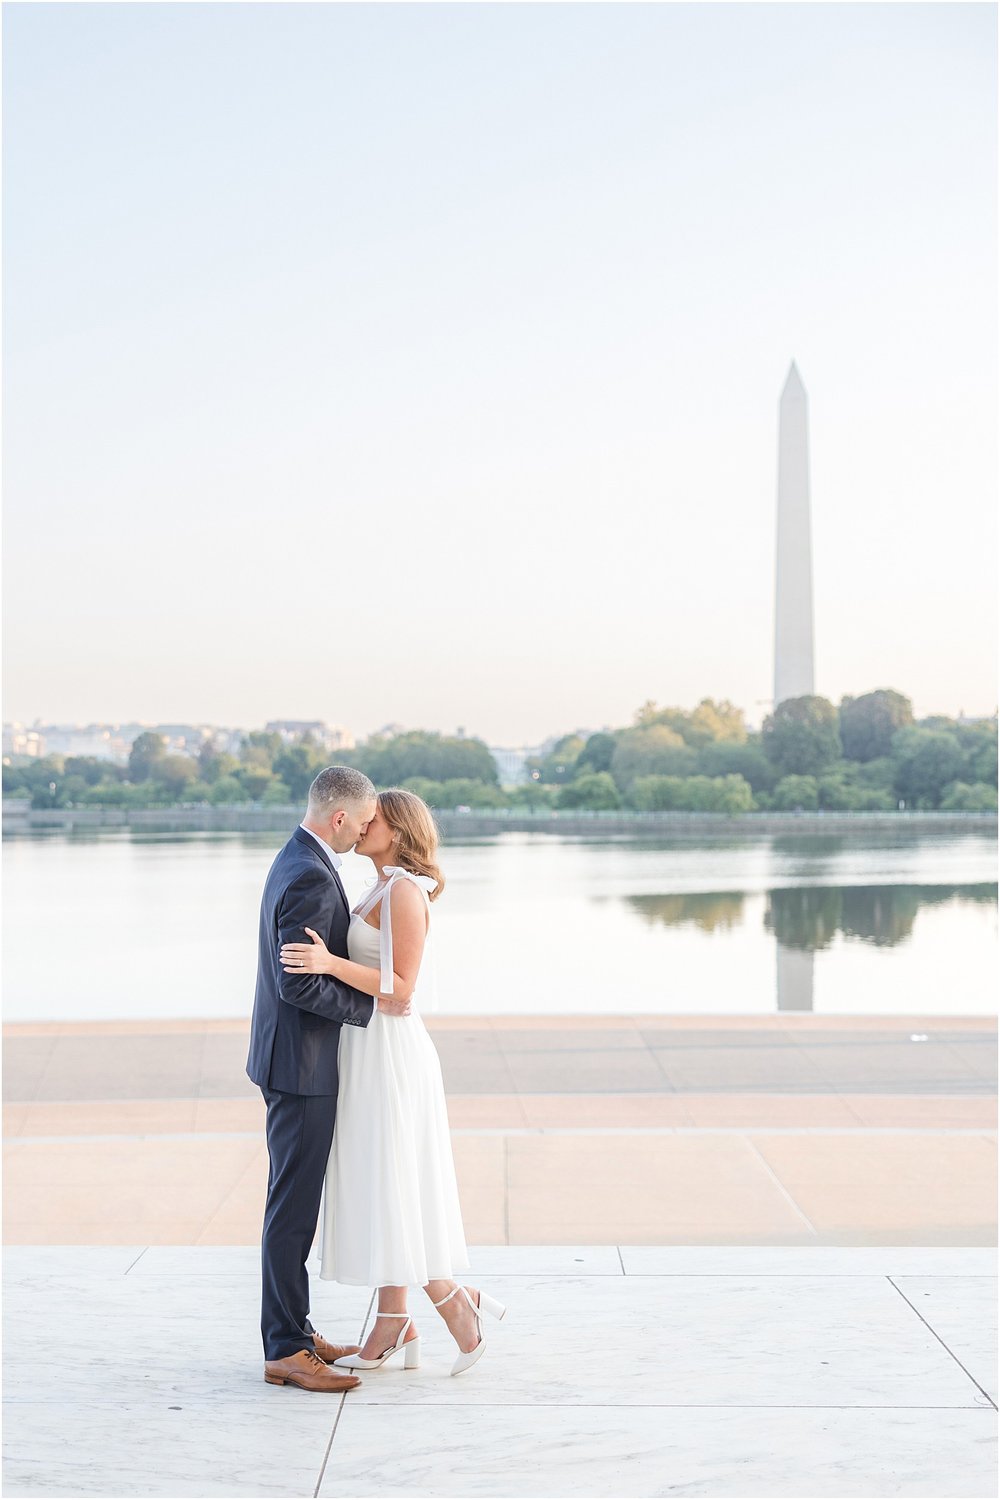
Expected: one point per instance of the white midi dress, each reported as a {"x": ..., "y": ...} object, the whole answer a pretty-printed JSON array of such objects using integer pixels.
[{"x": 391, "y": 1214}]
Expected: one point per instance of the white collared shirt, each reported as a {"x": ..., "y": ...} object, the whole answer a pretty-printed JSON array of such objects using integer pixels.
[
  {"x": 330, "y": 853},
  {"x": 337, "y": 862}
]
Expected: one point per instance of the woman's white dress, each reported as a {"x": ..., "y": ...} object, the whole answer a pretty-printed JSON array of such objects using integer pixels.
[{"x": 391, "y": 1214}]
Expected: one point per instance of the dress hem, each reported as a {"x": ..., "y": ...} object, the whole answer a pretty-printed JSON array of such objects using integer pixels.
[{"x": 448, "y": 1275}]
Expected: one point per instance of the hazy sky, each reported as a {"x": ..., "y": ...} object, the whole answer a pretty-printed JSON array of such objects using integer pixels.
[{"x": 422, "y": 362}]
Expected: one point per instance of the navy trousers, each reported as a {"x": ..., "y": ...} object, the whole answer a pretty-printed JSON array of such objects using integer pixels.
[{"x": 299, "y": 1135}]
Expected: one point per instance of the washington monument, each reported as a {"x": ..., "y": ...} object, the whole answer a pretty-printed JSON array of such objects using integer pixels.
[{"x": 793, "y": 605}]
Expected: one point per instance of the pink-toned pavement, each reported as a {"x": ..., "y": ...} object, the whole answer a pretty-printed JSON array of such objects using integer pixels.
[{"x": 778, "y": 1130}]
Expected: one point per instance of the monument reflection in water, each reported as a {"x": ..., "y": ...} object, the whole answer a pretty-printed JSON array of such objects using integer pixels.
[{"x": 806, "y": 919}]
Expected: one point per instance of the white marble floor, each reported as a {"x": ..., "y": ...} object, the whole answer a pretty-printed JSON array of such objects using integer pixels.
[{"x": 631, "y": 1371}]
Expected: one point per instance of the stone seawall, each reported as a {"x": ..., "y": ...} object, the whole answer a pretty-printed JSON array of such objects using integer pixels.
[{"x": 18, "y": 818}]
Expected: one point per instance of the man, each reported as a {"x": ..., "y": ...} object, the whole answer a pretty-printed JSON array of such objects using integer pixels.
[{"x": 294, "y": 1038}]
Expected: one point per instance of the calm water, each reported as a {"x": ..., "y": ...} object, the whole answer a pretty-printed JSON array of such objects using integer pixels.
[{"x": 118, "y": 925}]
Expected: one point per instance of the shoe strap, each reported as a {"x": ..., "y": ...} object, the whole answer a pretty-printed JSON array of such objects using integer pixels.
[
  {"x": 455, "y": 1293},
  {"x": 402, "y": 1332}
]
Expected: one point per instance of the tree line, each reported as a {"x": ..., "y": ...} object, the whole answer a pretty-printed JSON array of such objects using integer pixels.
[{"x": 865, "y": 754}]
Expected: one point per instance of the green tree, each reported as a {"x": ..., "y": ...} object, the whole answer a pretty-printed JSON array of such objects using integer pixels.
[
  {"x": 926, "y": 761},
  {"x": 43, "y": 779},
  {"x": 879, "y": 773},
  {"x": 961, "y": 797},
  {"x": 653, "y": 751},
  {"x": 730, "y": 758},
  {"x": 174, "y": 773},
  {"x": 978, "y": 743},
  {"x": 254, "y": 780},
  {"x": 456, "y": 792},
  {"x": 146, "y": 750},
  {"x": 796, "y": 794},
  {"x": 708, "y": 722},
  {"x": 597, "y": 752},
  {"x": 260, "y": 748},
  {"x": 390, "y": 761},
  {"x": 73, "y": 789},
  {"x": 462, "y": 791},
  {"x": 868, "y": 723},
  {"x": 89, "y": 767},
  {"x": 732, "y": 794},
  {"x": 429, "y": 791},
  {"x": 801, "y": 737},
  {"x": 719, "y": 794},
  {"x": 559, "y": 766},
  {"x": 841, "y": 789},
  {"x": 533, "y": 794},
  {"x": 199, "y": 792},
  {"x": 298, "y": 766},
  {"x": 107, "y": 794},
  {"x": 656, "y": 793},
  {"x": 594, "y": 790},
  {"x": 276, "y": 793},
  {"x": 227, "y": 789}
]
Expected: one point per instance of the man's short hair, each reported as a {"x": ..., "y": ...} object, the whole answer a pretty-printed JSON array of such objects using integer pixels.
[{"x": 339, "y": 786}]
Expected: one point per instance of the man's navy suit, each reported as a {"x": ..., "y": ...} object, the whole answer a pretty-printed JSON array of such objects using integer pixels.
[{"x": 294, "y": 1038}]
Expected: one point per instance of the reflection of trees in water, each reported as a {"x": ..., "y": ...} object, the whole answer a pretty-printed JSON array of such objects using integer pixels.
[
  {"x": 804, "y": 916},
  {"x": 809, "y": 917},
  {"x": 709, "y": 910}
]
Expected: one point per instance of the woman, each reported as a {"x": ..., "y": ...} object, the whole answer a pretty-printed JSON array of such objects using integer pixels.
[{"x": 391, "y": 1215}]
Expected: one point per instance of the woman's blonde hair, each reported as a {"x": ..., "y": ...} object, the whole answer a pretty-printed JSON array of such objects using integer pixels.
[{"x": 416, "y": 847}]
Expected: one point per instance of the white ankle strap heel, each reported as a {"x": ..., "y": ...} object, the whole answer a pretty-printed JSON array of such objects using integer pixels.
[
  {"x": 486, "y": 1304},
  {"x": 411, "y": 1351}
]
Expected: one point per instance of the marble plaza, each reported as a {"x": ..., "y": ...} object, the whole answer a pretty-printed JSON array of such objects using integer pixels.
[
  {"x": 742, "y": 1258},
  {"x": 618, "y": 1371}
]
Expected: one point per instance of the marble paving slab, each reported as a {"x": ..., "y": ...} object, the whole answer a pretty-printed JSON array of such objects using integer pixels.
[
  {"x": 210, "y": 1260},
  {"x": 543, "y": 1260},
  {"x": 777, "y": 1372},
  {"x": 187, "y": 1446},
  {"x": 809, "y": 1260},
  {"x": 962, "y": 1310},
  {"x": 600, "y": 1451},
  {"x": 78, "y": 1260},
  {"x": 153, "y": 1340},
  {"x": 506, "y": 1260},
  {"x": 829, "y": 1341}
]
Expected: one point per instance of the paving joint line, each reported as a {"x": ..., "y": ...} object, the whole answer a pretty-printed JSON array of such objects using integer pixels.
[
  {"x": 329, "y": 1446},
  {"x": 506, "y": 1193},
  {"x": 781, "y": 1187},
  {"x": 667, "y": 1405},
  {"x": 144, "y": 1136},
  {"x": 941, "y": 1341}
]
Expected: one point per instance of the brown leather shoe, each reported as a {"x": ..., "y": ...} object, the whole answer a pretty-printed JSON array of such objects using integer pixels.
[
  {"x": 307, "y": 1370},
  {"x": 329, "y": 1352}
]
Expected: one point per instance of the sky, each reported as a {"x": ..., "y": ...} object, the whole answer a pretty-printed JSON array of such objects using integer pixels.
[{"x": 421, "y": 363}]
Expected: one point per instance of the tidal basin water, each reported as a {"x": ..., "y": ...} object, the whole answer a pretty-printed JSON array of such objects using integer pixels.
[{"x": 126, "y": 925}]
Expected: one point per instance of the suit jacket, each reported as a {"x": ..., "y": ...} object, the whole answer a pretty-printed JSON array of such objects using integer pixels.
[{"x": 295, "y": 1032}]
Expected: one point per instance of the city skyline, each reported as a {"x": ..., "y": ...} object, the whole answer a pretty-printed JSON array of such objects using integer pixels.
[
  {"x": 119, "y": 733},
  {"x": 431, "y": 356}
]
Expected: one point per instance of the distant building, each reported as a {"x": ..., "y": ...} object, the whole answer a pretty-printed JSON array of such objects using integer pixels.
[
  {"x": 512, "y": 765},
  {"x": 328, "y": 736},
  {"x": 96, "y": 741},
  {"x": 17, "y": 740},
  {"x": 182, "y": 739}
]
